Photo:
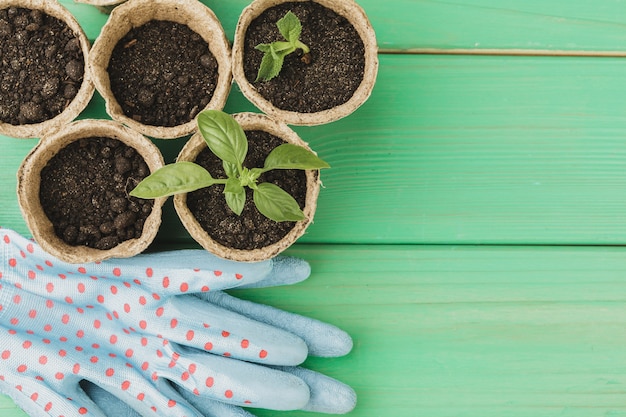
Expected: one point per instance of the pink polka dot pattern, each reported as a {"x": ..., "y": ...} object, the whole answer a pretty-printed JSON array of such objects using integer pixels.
[{"x": 123, "y": 324}]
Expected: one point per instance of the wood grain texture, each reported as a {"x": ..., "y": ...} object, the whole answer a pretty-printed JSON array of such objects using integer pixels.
[
  {"x": 496, "y": 24},
  {"x": 468, "y": 24}
]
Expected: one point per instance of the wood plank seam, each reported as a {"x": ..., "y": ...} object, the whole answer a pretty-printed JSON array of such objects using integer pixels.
[{"x": 505, "y": 52}]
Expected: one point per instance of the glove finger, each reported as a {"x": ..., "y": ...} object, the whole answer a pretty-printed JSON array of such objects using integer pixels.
[
  {"x": 212, "y": 408},
  {"x": 327, "y": 394},
  {"x": 192, "y": 322},
  {"x": 109, "y": 403},
  {"x": 322, "y": 339},
  {"x": 38, "y": 399},
  {"x": 144, "y": 396},
  {"x": 172, "y": 272},
  {"x": 185, "y": 271},
  {"x": 286, "y": 270},
  {"x": 237, "y": 382}
]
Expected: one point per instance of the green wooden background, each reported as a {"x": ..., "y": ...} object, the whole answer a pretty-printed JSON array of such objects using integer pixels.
[{"x": 470, "y": 233}]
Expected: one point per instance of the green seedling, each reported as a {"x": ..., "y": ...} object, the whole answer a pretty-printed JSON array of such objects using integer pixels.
[
  {"x": 275, "y": 52},
  {"x": 227, "y": 140}
]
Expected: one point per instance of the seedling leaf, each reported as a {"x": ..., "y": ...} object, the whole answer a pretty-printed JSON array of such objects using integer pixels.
[
  {"x": 276, "y": 204},
  {"x": 230, "y": 169},
  {"x": 290, "y": 28},
  {"x": 289, "y": 156},
  {"x": 235, "y": 196},
  {"x": 181, "y": 177},
  {"x": 271, "y": 64},
  {"x": 224, "y": 136}
]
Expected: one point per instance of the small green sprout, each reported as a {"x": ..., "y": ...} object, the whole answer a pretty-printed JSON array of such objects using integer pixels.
[
  {"x": 275, "y": 52},
  {"x": 227, "y": 140}
]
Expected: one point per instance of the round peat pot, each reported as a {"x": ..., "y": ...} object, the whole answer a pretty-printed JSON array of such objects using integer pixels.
[
  {"x": 158, "y": 63},
  {"x": 44, "y": 83},
  {"x": 329, "y": 82},
  {"x": 250, "y": 236},
  {"x": 73, "y": 192}
]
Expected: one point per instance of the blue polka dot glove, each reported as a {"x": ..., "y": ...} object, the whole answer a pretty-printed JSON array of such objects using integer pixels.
[{"x": 154, "y": 335}]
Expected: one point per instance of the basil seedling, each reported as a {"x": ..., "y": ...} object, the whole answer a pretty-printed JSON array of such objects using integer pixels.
[
  {"x": 227, "y": 140},
  {"x": 275, "y": 52}
]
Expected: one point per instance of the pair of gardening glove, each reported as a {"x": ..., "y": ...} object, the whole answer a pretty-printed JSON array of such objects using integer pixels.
[{"x": 154, "y": 335}]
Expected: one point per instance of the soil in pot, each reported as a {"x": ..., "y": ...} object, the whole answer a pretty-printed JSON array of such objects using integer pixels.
[
  {"x": 251, "y": 230},
  {"x": 41, "y": 66},
  {"x": 84, "y": 193},
  {"x": 334, "y": 72},
  {"x": 162, "y": 73}
]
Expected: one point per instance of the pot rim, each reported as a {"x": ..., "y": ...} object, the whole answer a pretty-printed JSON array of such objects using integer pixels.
[
  {"x": 249, "y": 121},
  {"x": 29, "y": 181},
  {"x": 350, "y": 10},
  {"x": 86, "y": 90},
  {"x": 123, "y": 18}
]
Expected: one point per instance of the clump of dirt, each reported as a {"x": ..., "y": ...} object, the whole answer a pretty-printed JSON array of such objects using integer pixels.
[
  {"x": 41, "y": 66},
  {"x": 162, "y": 73},
  {"x": 84, "y": 192}
]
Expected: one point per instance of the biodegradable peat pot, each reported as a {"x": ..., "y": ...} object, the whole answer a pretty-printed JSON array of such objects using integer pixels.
[
  {"x": 241, "y": 238},
  {"x": 43, "y": 77},
  {"x": 340, "y": 75},
  {"x": 58, "y": 209},
  {"x": 158, "y": 63}
]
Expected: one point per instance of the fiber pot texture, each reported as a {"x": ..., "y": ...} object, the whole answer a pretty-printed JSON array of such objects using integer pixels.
[
  {"x": 137, "y": 13},
  {"x": 29, "y": 180},
  {"x": 347, "y": 9},
  {"x": 249, "y": 122},
  {"x": 49, "y": 87}
]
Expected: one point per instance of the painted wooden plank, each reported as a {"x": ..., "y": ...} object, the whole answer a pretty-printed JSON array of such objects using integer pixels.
[
  {"x": 478, "y": 150},
  {"x": 13, "y": 151},
  {"x": 456, "y": 149},
  {"x": 495, "y": 24},
  {"x": 467, "y": 331},
  {"x": 569, "y": 25}
]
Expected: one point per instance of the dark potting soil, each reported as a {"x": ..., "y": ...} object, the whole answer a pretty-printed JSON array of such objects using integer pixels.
[
  {"x": 41, "y": 66},
  {"x": 162, "y": 73},
  {"x": 250, "y": 230},
  {"x": 337, "y": 59},
  {"x": 84, "y": 193}
]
